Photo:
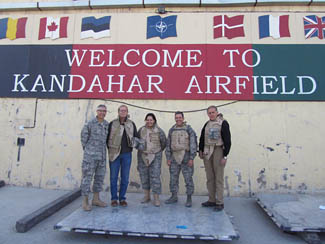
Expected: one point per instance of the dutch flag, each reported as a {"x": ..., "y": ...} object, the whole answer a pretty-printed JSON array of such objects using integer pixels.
[{"x": 275, "y": 27}]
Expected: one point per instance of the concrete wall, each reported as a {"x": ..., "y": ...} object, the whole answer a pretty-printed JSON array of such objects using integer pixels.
[{"x": 277, "y": 146}]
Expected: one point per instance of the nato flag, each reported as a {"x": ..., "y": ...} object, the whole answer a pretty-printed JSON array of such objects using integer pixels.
[{"x": 161, "y": 27}]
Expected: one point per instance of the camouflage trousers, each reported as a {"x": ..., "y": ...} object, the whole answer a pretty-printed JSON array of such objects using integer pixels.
[
  {"x": 187, "y": 172},
  {"x": 89, "y": 169},
  {"x": 150, "y": 175}
]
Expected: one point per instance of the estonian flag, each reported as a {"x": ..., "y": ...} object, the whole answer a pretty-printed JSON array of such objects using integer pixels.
[
  {"x": 12, "y": 28},
  {"x": 275, "y": 27},
  {"x": 95, "y": 28}
]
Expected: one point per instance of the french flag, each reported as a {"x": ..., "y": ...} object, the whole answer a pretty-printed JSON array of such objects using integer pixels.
[{"x": 275, "y": 27}]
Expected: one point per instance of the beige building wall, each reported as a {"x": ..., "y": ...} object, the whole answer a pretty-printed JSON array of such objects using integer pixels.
[{"x": 277, "y": 146}]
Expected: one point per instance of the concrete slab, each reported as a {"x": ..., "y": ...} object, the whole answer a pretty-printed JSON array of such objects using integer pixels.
[
  {"x": 145, "y": 220},
  {"x": 115, "y": 4},
  {"x": 295, "y": 212},
  {"x": 153, "y": 3},
  {"x": 63, "y": 5},
  {"x": 283, "y": 2},
  {"x": 227, "y": 3},
  {"x": 9, "y": 6},
  {"x": 16, "y": 202}
]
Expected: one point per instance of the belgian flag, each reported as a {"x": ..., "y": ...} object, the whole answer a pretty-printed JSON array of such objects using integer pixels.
[{"x": 12, "y": 28}]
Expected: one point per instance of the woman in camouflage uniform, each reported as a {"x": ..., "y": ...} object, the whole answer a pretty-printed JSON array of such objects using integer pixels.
[{"x": 152, "y": 143}]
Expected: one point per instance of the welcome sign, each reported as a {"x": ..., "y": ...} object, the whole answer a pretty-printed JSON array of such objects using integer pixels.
[{"x": 227, "y": 70}]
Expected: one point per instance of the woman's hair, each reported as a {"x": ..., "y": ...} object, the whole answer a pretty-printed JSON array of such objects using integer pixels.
[{"x": 152, "y": 115}]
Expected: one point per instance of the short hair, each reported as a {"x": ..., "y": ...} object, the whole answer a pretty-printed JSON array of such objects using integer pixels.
[
  {"x": 101, "y": 106},
  {"x": 151, "y": 115},
  {"x": 122, "y": 107},
  {"x": 179, "y": 112},
  {"x": 213, "y": 106}
]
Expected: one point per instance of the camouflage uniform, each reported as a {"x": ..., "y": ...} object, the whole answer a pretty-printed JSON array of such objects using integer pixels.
[
  {"x": 175, "y": 166},
  {"x": 93, "y": 140},
  {"x": 150, "y": 171}
]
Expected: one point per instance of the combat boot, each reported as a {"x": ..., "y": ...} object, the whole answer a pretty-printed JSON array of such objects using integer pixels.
[
  {"x": 156, "y": 201},
  {"x": 172, "y": 199},
  {"x": 146, "y": 197},
  {"x": 85, "y": 204},
  {"x": 189, "y": 201},
  {"x": 97, "y": 202}
]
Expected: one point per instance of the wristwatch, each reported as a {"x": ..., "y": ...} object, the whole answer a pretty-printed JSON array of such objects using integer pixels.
[{"x": 225, "y": 157}]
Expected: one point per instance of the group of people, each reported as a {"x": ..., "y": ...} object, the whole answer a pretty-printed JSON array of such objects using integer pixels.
[{"x": 120, "y": 136}]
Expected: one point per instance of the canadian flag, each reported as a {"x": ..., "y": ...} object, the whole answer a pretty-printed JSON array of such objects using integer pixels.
[{"x": 53, "y": 28}]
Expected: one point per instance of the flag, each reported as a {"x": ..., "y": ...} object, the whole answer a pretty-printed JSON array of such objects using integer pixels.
[
  {"x": 53, "y": 28},
  {"x": 161, "y": 27},
  {"x": 229, "y": 27},
  {"x": 95, "y": 28},
  {"x": 12, "y": 28},
  {"x": 276, "y": 27},
  {"x": 314, "y": 26}
]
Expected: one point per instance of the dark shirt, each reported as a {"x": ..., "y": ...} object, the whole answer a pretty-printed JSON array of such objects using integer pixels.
[
  {"x": 124, "y": 143},
  {"x": 225, "y": 135}
]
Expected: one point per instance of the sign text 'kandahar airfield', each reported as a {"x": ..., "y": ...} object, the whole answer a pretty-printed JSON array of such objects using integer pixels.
[
  {"x": 168, "y": 71},
  {"x": 165, "y": 71}
]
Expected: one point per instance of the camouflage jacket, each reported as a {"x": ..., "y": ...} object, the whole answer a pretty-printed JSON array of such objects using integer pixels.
[{"x": 93, "y": 139}]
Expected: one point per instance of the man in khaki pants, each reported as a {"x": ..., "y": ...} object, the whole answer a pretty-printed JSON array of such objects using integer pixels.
[{"x": 214, "y": 146}]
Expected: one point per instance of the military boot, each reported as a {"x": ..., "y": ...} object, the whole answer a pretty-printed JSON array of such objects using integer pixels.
[
  {"x": 156, "y": 201},
  {"x": 189, "y": 201},
  {"x": 85, "y": 204},
  {"x": 146, "y": 197},
  {"x": 97, "y": 202},
  {"x": 172, "y": 199}
]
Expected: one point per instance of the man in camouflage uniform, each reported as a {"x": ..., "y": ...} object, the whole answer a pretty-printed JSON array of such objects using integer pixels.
[
  {"x": 180, "y": 153},
  {"x": 93, "y": 140}
]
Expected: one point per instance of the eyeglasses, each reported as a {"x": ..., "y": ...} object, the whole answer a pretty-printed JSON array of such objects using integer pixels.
[{"x": 103, "y": 111}]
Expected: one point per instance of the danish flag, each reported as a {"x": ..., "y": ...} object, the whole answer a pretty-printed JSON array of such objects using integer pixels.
[{"x": 229, "y": 27}]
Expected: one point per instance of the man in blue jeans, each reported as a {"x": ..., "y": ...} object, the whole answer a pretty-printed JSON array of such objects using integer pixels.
[{"x": 121, "y": 133}]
